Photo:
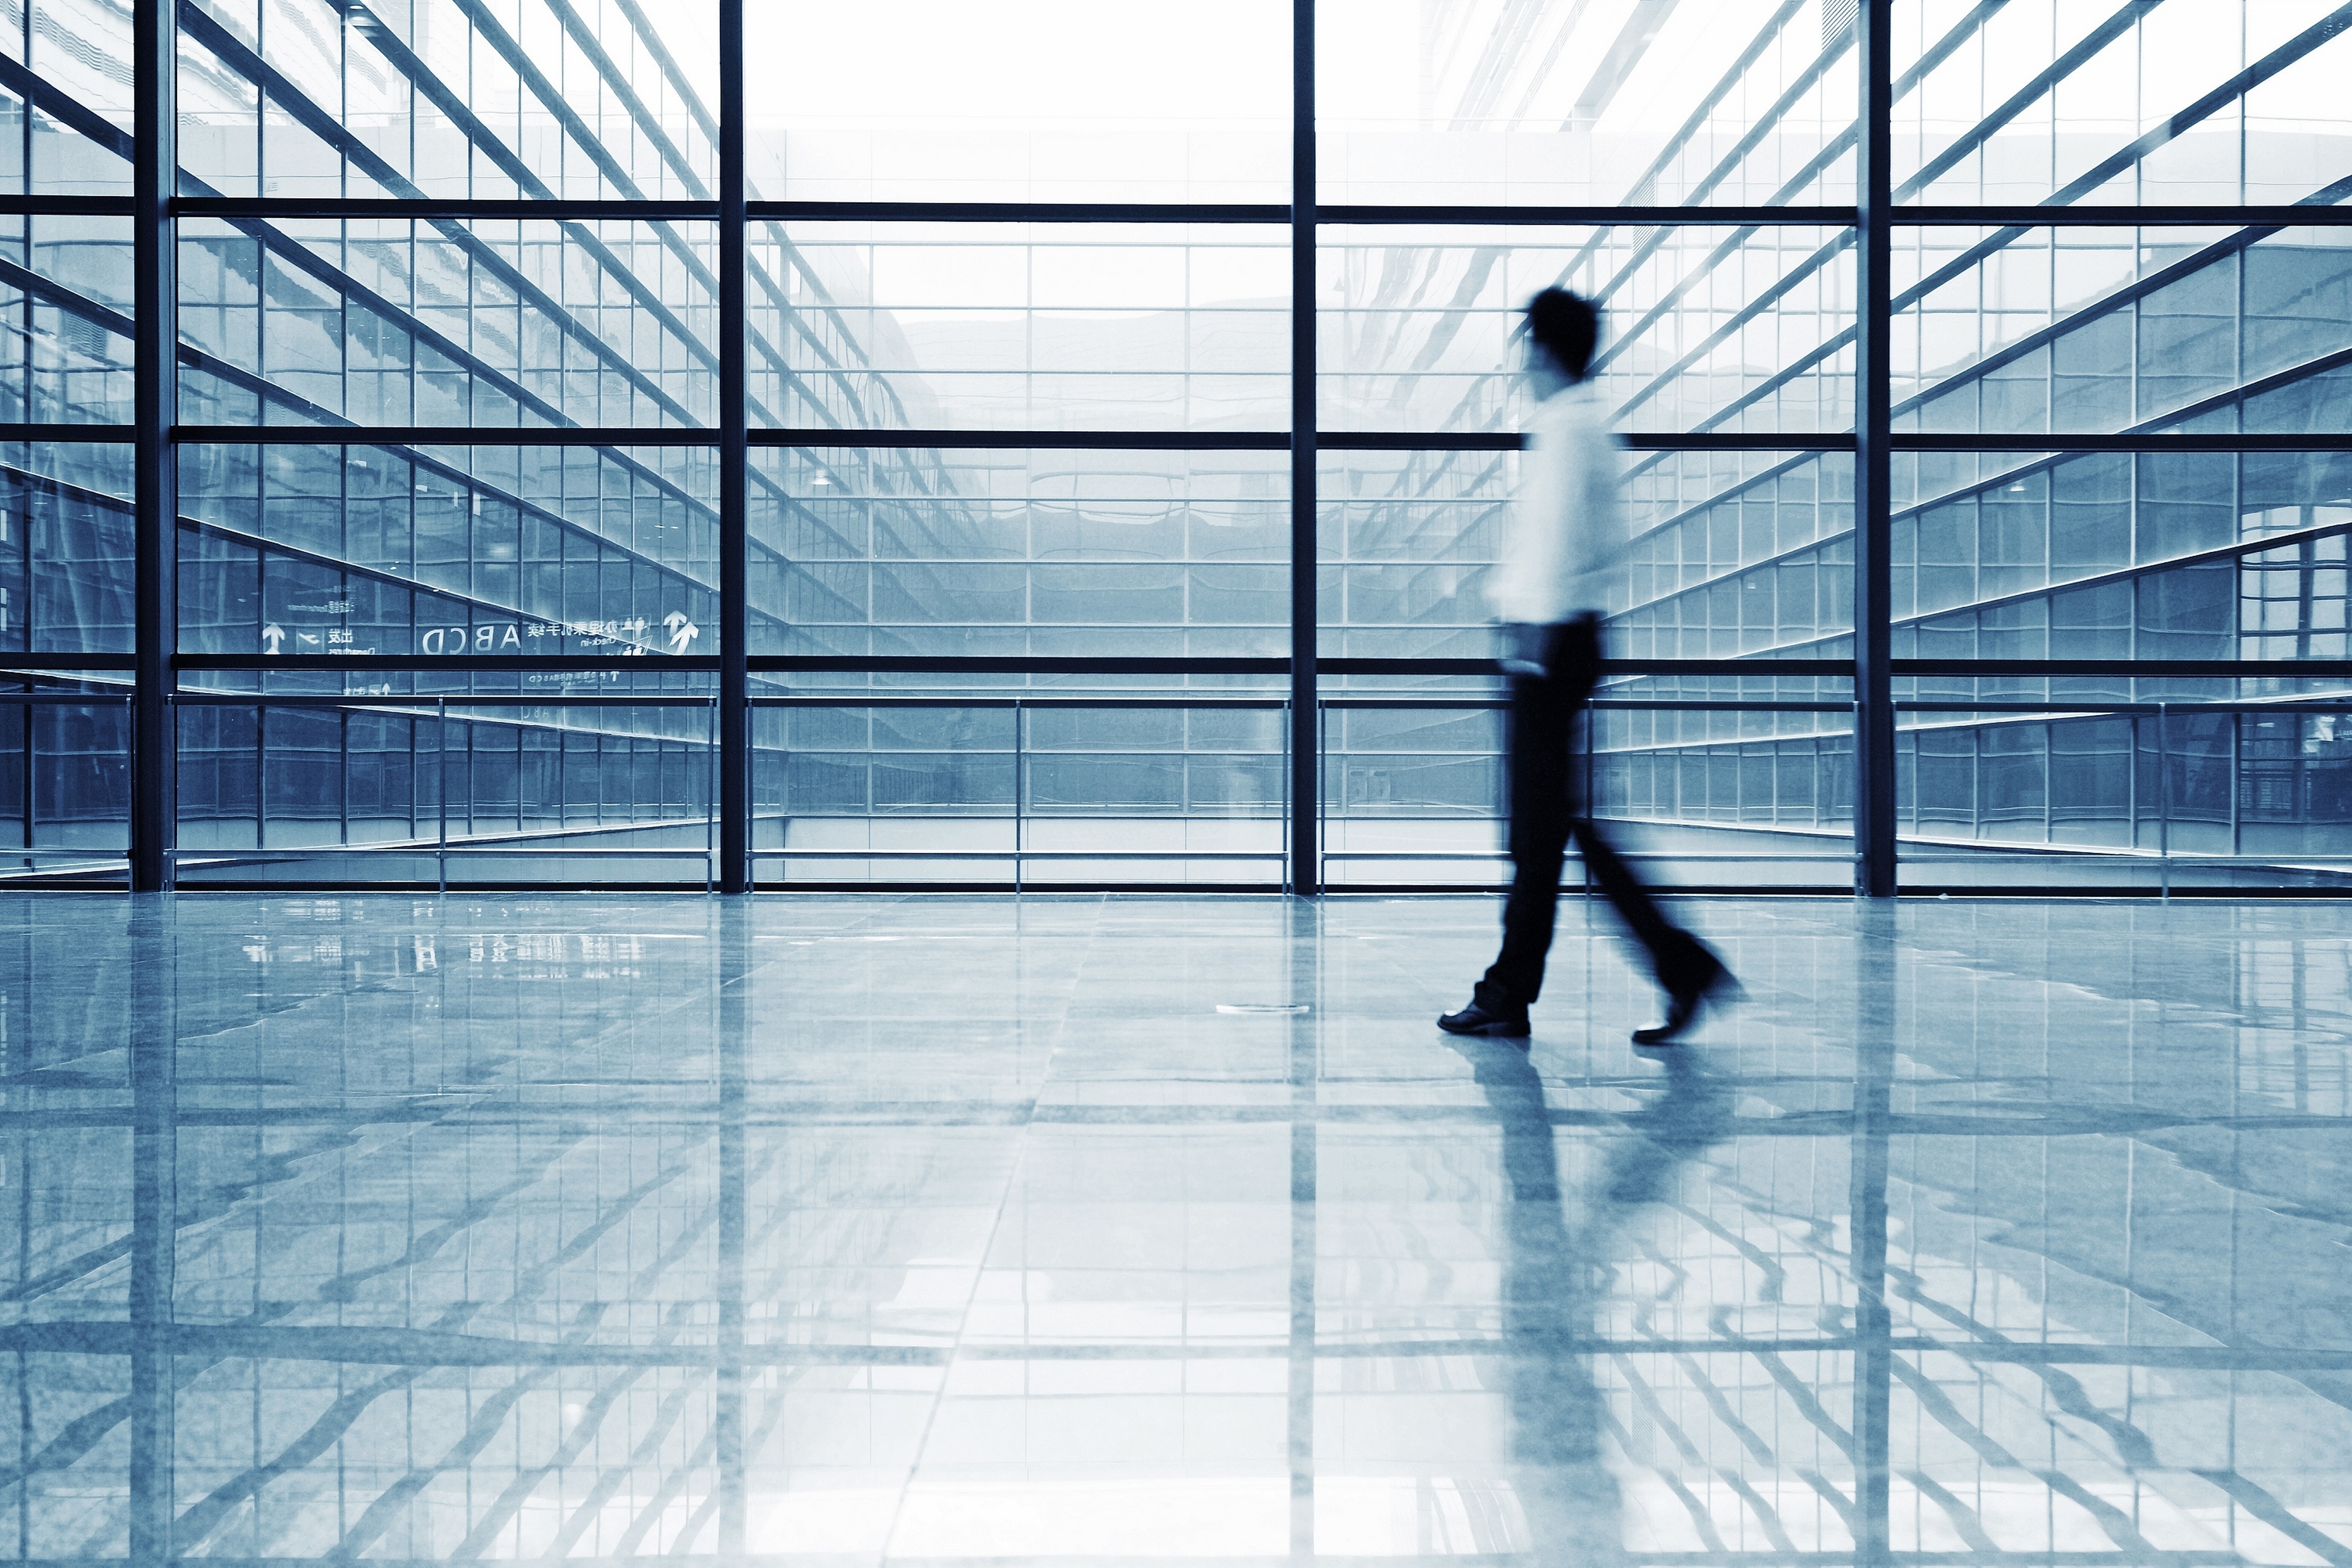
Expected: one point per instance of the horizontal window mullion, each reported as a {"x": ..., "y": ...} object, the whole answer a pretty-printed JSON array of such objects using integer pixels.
[
  {"x": 882, "y": 663},
  {"x": 64, "y": 665},
  {"x": 442, "y": 436},
  {"x": 116, "y": 435},
  {"x": 1182, "y": 440},
  {"x": 1026, "y": 701},
  {"x": 2125, "y": 441},
  {"x": 313, "y": 663},
  {"x": 15, "y": 205},
  {"x": 2094, "y": 708},
  {"x": 1633, "y": 440},
  {"x": 1581, "y": 217},
  {"x": 1279, "y": 440},
  {"x": 1353, "y": 215},
  {"x": 1108, "y": 440},
  {"x": 280, "y": 207},
  {"x": 918, "y": 664},
  {"x": 1745, "y": 669},
  {"x": 425, "y": 700},
  {"x": 2196, "y": 216},
  {"x": 2139, "y": 669},
  {"x": 1017, "y": 211}
]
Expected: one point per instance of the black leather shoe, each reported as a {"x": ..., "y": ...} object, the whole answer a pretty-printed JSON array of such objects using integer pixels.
[
  {"x": 1704, "y": 979},
  {"x": 1476, "y": 1019}
]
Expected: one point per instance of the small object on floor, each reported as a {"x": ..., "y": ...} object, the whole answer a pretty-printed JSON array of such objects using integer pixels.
[
  {"x": 1476, "y": 1018},
  {"x": 1707, "y": 981}
]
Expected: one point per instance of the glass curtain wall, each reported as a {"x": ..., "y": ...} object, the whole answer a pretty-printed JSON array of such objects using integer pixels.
[{"x": 1981, "y": 367}]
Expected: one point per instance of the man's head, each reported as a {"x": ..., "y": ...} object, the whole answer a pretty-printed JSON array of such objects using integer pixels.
[{"x": 1566, "y": 327}]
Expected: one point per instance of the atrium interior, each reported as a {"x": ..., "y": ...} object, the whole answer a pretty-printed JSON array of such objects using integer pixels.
[{"x": 746, "y": 742}]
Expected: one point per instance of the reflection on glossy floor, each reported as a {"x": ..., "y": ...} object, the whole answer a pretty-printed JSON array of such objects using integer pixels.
[{"x": 928, "y": 1229}]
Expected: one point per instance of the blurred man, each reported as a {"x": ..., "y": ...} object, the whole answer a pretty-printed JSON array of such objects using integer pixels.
[{"x": 1560, "y": 561}]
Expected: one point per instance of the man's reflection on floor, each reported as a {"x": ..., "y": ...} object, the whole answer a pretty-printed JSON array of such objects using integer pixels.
[{"x": 1556, "y": 1258}]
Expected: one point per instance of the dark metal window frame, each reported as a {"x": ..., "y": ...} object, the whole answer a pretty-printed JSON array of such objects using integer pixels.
[{"x": 156, "y": 434}]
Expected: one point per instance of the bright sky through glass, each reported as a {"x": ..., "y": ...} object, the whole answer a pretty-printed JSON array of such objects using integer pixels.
[
  {"x": 1207, "y": 61},
  {"x": 1456, "y": 67},
  {"x": 1047, "y": 101}
]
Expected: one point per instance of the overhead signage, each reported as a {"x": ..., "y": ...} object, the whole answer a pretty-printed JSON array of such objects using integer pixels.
[{"x": 493, "y": 638}]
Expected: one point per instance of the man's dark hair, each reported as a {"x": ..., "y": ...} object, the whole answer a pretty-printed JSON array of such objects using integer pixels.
[{"x": 1567, "y": 326}]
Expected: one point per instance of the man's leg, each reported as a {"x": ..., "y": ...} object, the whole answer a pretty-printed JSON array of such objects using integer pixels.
[
  {"x": 1676, "y": 958},
  {"x": 1543, "y": 713},
  {"x": 1684, "y": 965}
]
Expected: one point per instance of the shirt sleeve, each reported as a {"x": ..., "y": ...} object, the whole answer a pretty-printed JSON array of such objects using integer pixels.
[
  {"x": 1527, "y": 580},
  {"x": 1598, "y": 537}
]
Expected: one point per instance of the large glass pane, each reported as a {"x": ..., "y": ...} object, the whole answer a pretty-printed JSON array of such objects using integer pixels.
[
  {"x": 449, "y": 98},
  {"x": 356, "y": 792},
  {"x": 65, "y": 319},
  {"x": 79, "y": 755},
  {"x": 64, "y": 104},
  {"x": 2197, "y": 795},
  {"x": 444, "y": 551},
  {"x": 2195, "y": 556},
  {"x": 1733, "y": 102},
  {"x": 447, "y": 322},
  {"x": 1033, "y": 792},
  {"x": 1731, "y": 554},
  {"x": 2213, "y": 101},
  {"x": 1698, "y": 793},
  {"x": 1703, "y": 329},
  {"x": 1020, "y": 327},
  {"x": 64, "y": 779},
  {"x": 2117, "y": 556},
  {"x": 1054, "y": 554},
  {"x": 1413, "y": 791},
  {"x": 1036, "y": 101},
  {"x": 1406, "y": 542},
  {"x": 2014, "y": 331},
  {"x": 66, "y": 548}
]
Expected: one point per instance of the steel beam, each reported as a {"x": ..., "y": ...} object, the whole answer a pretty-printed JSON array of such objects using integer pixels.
[
  {"x": 1874, "y": 601},
  {"x": 155, "y": 490},
  {"x": 1305, "y": 729},
  {"x": 734, "y": 470}
]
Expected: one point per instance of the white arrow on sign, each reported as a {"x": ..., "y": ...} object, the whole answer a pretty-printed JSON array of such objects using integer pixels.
[
  {"x": 274, "y": 636},
  {"x": 681, "y": 631}
]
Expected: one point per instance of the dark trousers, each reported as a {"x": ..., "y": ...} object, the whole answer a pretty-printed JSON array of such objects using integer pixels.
[{"x": 1547, "y": 811}]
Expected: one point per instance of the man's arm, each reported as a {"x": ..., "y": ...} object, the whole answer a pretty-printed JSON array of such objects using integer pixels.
[{"x": 1530, "y": 578}]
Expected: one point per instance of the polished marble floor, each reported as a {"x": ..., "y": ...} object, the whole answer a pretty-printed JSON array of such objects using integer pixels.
[{"x": 927, "y": 1230}]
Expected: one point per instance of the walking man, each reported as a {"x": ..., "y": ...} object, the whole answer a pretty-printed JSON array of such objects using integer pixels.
[{"x": 1562, "y": 555}]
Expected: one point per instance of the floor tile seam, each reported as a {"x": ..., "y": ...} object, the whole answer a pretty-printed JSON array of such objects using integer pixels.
[
  {"x": 866, "y": 910},
  {"x": 955, "y": 1351},
  {"x": 1013, "y": 1177}
]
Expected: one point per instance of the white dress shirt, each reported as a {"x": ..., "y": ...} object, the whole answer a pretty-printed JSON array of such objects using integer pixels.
[{"x": 1564, "y": 545}]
